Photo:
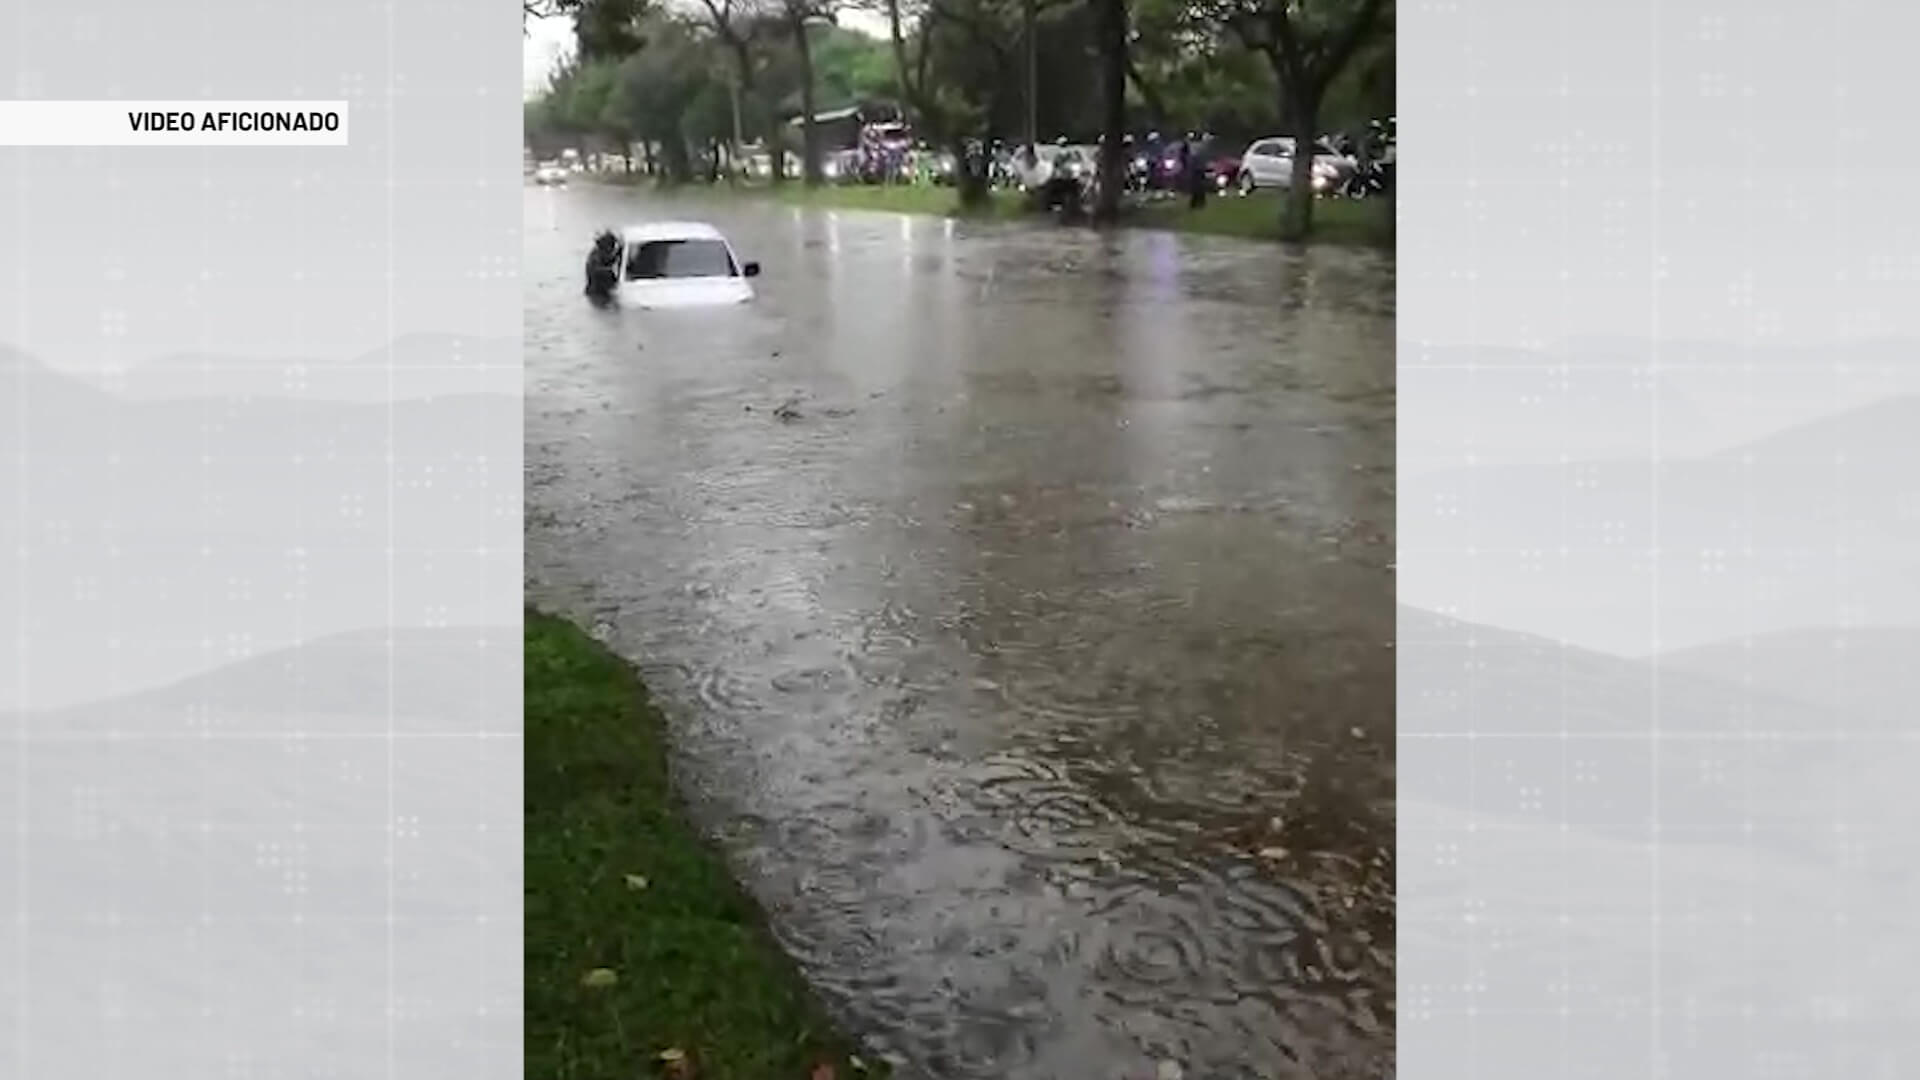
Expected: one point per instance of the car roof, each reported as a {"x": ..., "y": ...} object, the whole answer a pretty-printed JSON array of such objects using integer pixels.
[
  {"x": 669, "y": 230},
  {"x": 1287, "y": 140}
]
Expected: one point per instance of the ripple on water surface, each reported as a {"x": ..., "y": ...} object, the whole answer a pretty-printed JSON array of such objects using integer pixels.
[{"x": 1035, "y": 665}]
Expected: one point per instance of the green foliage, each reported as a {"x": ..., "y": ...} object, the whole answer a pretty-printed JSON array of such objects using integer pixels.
[
  {"x": 607, "y": 29},
  {"x": 961, "y": 68},
  {"x": 851, "y": 67}
]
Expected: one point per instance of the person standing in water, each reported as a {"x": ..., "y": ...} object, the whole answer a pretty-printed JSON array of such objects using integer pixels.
[{"x": 603, "y": 271}]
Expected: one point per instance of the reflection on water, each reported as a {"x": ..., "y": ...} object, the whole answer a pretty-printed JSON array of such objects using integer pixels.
[{"x": 1038, "y": 670}]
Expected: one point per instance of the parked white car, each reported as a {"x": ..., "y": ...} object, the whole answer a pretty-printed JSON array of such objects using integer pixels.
[
  {"x": 678, "y": 264},
  {"x": 1268, "y": 163}
]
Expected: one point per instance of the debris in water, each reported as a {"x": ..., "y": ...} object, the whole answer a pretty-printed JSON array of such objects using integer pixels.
[{"x": 788, "y": 410}]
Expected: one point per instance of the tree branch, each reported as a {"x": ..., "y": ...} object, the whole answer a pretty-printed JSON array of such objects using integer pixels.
[
  {"x": 1155, "y": 103},
  {"x": 1359, "y": 30}
]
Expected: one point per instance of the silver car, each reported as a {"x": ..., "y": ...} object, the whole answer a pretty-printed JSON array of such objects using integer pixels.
[{"x": 1268, "y": 163}]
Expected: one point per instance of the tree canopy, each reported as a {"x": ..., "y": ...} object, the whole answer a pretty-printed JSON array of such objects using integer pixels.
[{"x": 673, "y": 73}]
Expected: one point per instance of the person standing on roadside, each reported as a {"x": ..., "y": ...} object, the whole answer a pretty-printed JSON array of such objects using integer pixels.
[{"x": 1198, "y": 176}]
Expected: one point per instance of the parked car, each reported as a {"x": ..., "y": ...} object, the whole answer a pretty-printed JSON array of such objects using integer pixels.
[
  {"x": 945, "y": 169},
  {"x": 1222, "y": 163},
  {"x": 1268, "y": 163}
]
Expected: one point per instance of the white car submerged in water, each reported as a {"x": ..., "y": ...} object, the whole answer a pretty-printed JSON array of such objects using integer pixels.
[{"x": 678, "y": 264}]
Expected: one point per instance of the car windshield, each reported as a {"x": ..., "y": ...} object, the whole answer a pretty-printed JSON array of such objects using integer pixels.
[{"x": 680, "y": 259}]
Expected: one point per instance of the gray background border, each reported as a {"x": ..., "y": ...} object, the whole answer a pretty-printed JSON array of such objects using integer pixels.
[
  {"x": 1657, "y": 540},
  {"x": 260, "y": 554}
]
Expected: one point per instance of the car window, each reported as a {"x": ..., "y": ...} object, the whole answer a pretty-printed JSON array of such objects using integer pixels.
[
  {"x": 1266, "y": 148},
  {"x": 680, "y": 259}
]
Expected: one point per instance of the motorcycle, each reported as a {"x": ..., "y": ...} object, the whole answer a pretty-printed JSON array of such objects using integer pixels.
[
  {"x": 1067, "y": 198},
  {"x": 1365, "y": 182}
]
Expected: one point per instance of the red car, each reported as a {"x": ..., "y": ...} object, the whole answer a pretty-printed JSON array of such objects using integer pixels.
[{"x": 1223, "y": 169}]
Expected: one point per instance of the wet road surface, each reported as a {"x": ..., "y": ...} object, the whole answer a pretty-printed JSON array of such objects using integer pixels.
[{"x": 1035, "y": 662}]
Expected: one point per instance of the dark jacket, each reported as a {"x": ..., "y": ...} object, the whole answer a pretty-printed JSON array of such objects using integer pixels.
[{"x": 603, "y": 273}]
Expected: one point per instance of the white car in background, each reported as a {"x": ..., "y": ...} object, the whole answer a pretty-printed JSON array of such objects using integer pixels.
[
  {"x": 1268, "y": 163},
  {"x": 679, "y": 264}
]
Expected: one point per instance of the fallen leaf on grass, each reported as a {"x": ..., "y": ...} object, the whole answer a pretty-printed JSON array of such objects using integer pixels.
[
  {"x": 636, "y": 882},
  {"x": 679, "y": 1066},
  {"x": 599, "y": 978}
]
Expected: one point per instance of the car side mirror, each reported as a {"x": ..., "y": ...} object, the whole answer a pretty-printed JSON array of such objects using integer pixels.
[{"x": 751, "y": 269}]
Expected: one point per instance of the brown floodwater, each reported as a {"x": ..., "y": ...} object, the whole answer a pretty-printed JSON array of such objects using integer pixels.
[{"x": 1034, "y": 664}]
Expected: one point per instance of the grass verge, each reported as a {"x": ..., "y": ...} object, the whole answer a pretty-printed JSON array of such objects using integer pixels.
[
  {"x": 1351, "y": 222},
  {"x": 643, "y": 956},
  {"x": 1356, "y": 223}
]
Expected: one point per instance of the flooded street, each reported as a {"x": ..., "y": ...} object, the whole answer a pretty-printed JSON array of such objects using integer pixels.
[{"x": 1035, "y": 662}]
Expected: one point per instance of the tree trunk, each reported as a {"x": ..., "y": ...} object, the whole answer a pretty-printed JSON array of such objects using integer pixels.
[
  {"x": 1296, "y": 215},
  {"x": 809, "y": 148},
  {"x": 679, "y": 163},
  {"x": 1031, "y": 34},
  {"x": 1156, "y": 105},
  {"x": 1113, "y": 93},
  {"x": 970, "y": 176},
  {"x": 733, "y": 146}
]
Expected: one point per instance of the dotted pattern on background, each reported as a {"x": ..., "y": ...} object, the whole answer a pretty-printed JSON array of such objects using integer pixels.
[
  {"x": 1656, "y": 383},
  {"x": 254, "y": 444}
]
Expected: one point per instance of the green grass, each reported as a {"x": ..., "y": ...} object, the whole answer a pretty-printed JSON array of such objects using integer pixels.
[
  {"x": 1360, "y": 223},
  {"x": 617, "y": 878},
  {"x": 897, "y": 198},
  {"x": 1365, "y": 223}
]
